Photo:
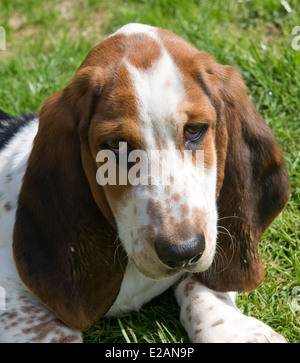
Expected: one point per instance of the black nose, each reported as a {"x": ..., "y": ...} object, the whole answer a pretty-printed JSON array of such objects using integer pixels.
[{"x": 180, "y": 255}]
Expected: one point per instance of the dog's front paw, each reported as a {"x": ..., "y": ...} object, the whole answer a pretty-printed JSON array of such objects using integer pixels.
[{"x": 238, "y": 329}]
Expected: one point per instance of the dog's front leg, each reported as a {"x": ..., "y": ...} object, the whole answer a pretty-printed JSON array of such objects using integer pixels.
[{"x": 212, "y": 317}]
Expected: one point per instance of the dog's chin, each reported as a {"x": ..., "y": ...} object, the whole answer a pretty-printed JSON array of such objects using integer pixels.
[{"x": 156, "y": 272}]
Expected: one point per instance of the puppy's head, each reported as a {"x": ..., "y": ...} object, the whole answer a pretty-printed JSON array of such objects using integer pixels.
[{"x": 158, "y": 124}]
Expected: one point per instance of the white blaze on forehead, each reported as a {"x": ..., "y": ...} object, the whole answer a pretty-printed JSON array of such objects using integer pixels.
[
  {"x": 136, "y": 28},
  {"x": 159, "y": 90}
]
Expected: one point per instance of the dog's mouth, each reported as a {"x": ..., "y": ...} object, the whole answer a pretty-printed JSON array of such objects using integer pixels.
[{"x": 160, "y": 271}]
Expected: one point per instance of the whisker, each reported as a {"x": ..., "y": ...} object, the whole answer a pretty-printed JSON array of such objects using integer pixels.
[
  {"x": 243, "y": 219},
  {"x": 116, "y": 254},
  {"x": 126, "y": 230},
  {"x": 232, "y": 243},
  {"x": 118, "y": 244},
  {"x": 221, "y": 255}
]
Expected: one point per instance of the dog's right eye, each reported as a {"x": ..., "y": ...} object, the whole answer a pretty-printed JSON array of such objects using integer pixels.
[{"x": 194, "y": 132}]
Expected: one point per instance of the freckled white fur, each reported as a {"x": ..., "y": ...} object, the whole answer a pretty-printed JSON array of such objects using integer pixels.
[
  {"x": 213, "y": 317},
  {"x": 13, "y": 160}
]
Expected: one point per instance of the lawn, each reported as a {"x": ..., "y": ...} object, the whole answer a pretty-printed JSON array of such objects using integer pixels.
[{"x": 47, "y": 41}]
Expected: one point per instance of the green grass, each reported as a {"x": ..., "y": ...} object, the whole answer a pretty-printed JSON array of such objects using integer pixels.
[{"x": 46, "y": 45}]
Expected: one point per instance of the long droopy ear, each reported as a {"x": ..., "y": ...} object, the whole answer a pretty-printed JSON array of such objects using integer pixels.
[
  {"x": 253, "y": 185},
  {"x": 64, "y": 247}
]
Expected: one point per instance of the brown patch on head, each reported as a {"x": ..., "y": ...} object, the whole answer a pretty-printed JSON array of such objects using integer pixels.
[
  {"x": 144, "y": 51},
  {"x": 117, "y": 101}
]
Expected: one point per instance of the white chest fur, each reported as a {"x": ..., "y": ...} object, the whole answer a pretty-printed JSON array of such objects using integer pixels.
[{"x": 137, "y": 289}]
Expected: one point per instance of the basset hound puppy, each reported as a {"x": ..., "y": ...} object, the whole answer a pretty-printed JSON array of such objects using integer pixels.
[{"x": 73, "y": 250}]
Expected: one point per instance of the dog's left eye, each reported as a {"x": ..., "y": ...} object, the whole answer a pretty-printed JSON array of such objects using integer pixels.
[
  {"x": 119, "y": 147},
  {"x": 194, "y": 132}
]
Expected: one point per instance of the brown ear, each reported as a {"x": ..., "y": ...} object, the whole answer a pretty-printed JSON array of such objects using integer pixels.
[
  {"x": 64, "y": 248},
  {"x": 253, "y": 185}
]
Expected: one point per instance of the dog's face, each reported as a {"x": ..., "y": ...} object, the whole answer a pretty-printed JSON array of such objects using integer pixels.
[{"x": 153, "y": 112}]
